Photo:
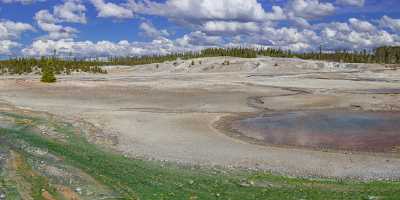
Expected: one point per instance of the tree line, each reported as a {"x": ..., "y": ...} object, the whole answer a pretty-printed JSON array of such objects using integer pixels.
[
  {"x": 57, "y": 65},
  {"x": 210, "y": 52},
  {"x": 383, "y": 55}
]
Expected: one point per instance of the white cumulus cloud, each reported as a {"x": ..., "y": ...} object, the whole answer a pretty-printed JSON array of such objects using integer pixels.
[
  {"x": 309, "y": 9},
  {"x": 391, "y": 23},
  {"x": 108, "y": 9},
  {"x": 12, "y": 30},
  {"x": 361, "y": 26},
  {"x": 356, "y": 34},
  {"x": 230, "y": 27},
  {"x": 150, "y": 31},
  {"x": 71, "y": 11},
  {"x": 6, "y": 46},
  {"x": 199, "y": 39},
  {"x": 47, "y": 22},
  {"x": 189, "y": 42},
  {"x": 203, "y": 10}
]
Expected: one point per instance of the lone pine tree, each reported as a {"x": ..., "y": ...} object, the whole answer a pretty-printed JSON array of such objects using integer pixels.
[{"x": 48, "y": 75}]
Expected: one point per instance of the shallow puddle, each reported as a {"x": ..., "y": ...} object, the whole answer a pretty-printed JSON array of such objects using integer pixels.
[
  {"x": 341, "y": 130},
  {"x": 378, "y": 91},
  {"x": 385, "y": 91}
]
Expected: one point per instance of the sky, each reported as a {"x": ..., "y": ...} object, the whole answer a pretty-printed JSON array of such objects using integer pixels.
[{"x": 97, "y": 28}]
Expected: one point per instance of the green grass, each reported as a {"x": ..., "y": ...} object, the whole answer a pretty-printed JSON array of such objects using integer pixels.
[
  {"x": 139, "y": 179},
  {"x": 7, "y": 186},
  {"x": 38, "y": 183}
]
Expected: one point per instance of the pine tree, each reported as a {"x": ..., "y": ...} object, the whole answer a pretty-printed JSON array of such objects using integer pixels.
[{"x": 48, "y": 75}]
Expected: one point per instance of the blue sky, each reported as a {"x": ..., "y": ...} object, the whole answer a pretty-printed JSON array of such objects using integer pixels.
[{"x": 137, "y": 27}]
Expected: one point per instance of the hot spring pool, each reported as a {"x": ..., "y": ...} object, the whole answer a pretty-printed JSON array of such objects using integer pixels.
[{"x": 340, "y": 130}]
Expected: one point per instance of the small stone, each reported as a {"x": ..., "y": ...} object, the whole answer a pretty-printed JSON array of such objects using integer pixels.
[
  {"x": 191, "y": 182},
  {"x": 2, "y": 196},
  {"x": 372, "y": 197},
  {"x": 244, "y": 184},
  {"x": 78, "y": 190},
  {"x": 193, "y": 198}
]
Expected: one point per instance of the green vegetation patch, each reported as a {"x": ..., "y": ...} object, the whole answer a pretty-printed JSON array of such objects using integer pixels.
[
  {"x": 58, "y": 66},
  {"x": 8, "y": 188},
  {"x": 139, "y": 179},
  {"x": 48, "y": 75}
]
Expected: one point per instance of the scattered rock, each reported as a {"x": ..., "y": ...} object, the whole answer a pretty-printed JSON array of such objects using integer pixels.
[
  {"x": 357, "y": 107},
  {"x": 244, "y": 184},
  {"x": 251, "y": 182},
  {"x": 373, "y": 197},
  {"x": 78, "y": 190}
]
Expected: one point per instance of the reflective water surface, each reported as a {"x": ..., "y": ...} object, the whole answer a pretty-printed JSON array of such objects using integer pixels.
[{"x": 342, "y": 130}]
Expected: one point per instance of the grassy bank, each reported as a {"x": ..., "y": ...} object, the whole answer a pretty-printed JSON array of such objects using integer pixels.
[{"x": 139, "y": 179}]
